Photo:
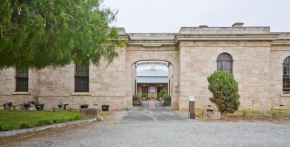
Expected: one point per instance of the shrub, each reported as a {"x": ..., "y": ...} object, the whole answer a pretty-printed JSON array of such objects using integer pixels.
[
  {"x": 144, "y": 95},
  {"x": 166, "y": 97},
  {"x": 274, "y": 113},
  {"x": 244, "y": 113},
  {"x": 161, "y": 93},
  {"x": 24, "y": 125},
  {"x": 136, "y": 97},
  {"x": 61, "y": 120},
  {"x": 0, "y": 128},
  {"x": 225, "y": 91},
  {"x": 36, "y": 99}
]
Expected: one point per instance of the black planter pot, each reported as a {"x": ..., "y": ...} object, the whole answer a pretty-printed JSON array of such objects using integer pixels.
[
  {"x": 39, "y": 106},
  {"x": 25, "y": 106},
  {"x": 62, "y": 106},
  {"x": 7, "y": 106},
  {"x": 84, "y": 106},
  {"x": 105, "y": 107}
]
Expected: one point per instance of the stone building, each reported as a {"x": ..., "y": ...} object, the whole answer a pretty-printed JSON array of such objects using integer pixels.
[{"x": 257, "y": 57}]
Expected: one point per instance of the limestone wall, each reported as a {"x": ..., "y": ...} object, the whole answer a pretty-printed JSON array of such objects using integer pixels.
[
  {"x": 54, "y": 86},
  {"x": 250, "y": 68},
  {"x": 277, "y": 57}
]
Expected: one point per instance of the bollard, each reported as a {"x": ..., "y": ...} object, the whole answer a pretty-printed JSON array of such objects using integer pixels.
[{"x": 191, "y": 110}]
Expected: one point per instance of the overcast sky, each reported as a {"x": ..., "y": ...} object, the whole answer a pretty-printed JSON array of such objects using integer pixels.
[{"x": 167, "y": 16}]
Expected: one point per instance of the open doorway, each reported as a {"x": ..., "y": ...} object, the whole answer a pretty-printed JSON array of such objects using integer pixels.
[{"x": 152, "y": 77}]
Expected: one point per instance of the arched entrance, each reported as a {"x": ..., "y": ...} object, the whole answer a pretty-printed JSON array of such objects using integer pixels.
[{"x": 135, "y": 54}]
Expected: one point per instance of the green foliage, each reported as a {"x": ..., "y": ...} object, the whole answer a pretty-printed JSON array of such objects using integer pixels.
[
  {"x": 42, "y": 122},
  {"x": 244, "y": 113},
  {"x": 24, "y": 125},
  {"x": 161, "y": 93},
  {"x": 36, "y": 99},
  {"x": 144, "y": 95},
  {"x": 166, "y": 97},
  {"x": 53, "y": 33},
  {"x": 274, "y": 114},
  {"x": 225, "y": 91},
  {"x": 136, "y": 97}
]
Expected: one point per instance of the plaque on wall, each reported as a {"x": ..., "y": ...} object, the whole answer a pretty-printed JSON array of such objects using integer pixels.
[{"x": 152, "y": 88}]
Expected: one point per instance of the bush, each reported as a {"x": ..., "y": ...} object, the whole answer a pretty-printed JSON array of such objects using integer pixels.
[
  {"x": 61, "y": 120},
  {"x": 166, "y": 97},
  {"x": 24, "y": 125},
  {"x": 144, "y": 95},
  {"x": 274, "y": 114},
  {"x": 244, "y": 113},
  {"x": 161, "y": 93},
  {"x": 225, "y": 91},
  {"x": 77, "y": 117},
  {"x": 0, "y": 128},
  {"x": 136, "y": 97}
]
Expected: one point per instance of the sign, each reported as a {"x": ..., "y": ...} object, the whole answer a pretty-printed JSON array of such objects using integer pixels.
[
  {"x": 191, "y": 98},
  {"x": 152, "y": 88}
]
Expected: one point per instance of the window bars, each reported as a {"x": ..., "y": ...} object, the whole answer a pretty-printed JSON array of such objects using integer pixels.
[
  {"x": 225, "y": 63},
  {"x": 22, "y": 80},
  {"x": 81, "y": 78},
  {"x": 286, "y": 75}
]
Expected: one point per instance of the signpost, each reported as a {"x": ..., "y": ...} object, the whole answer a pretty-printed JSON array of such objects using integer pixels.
[{"x": 191, "y": 113}]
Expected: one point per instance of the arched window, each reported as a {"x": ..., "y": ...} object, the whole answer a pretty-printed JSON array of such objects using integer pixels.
[
  {"x": 225, "y": 63},
  {"x": 286, "y": 75}
]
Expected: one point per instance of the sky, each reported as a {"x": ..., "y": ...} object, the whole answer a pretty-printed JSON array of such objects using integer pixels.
[{"x": 168, "y": 16}]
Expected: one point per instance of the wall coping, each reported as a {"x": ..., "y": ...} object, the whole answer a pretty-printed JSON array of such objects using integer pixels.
[{"x": 285, "y": 95}]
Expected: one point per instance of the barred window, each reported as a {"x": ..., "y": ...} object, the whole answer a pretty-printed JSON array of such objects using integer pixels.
[
  {"x": 225, "y": 63},
  {"x": 81, "y": 79},
  {"x": 286, "y": 75},
  {"x": 22, "y": 80}
]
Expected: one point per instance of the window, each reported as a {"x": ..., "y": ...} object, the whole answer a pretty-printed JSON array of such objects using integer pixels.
[
  {"x": 81, "y": 79},
  {"x": 22, "y": 80},
  {"x": 286, "y": 75},
  {"x": 225, "y": 63}
]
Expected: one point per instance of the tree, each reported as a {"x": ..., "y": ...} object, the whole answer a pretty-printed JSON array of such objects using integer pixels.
[
  {"x": 225, "y": 91},
  {"x": 53, "y": 33}
]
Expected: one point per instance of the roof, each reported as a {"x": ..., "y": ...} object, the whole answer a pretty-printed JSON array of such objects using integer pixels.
[
  {"x": 152, "y": 73},
  {"x": 152, "y": 80}
]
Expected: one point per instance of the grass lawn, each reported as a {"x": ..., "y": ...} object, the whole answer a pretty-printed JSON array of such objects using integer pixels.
[{"x": 13, "y": 120}]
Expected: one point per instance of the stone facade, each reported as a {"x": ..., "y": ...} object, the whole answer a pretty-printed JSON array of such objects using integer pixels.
[{"x": 258, "y": 55}]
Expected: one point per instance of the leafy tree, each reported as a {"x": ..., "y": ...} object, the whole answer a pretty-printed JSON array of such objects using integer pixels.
[
  {"x": 225, "y": 91},
  {"x": 42, "y": 33}
]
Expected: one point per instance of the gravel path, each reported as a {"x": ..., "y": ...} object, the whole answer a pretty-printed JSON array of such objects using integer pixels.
[{"x": 158, "y": 127}]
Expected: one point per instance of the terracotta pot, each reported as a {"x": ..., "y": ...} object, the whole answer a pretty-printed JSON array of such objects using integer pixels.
[
  {"x": 160, "y": 99},
  {"x": 144, "y": 98}
]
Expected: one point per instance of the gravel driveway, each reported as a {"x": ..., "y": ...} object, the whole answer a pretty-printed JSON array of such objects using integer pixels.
[{"x": 152, "y": 125}]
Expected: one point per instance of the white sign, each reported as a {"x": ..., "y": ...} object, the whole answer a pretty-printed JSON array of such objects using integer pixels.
[
  {"x": 191, "y": 98},
  {"x": 152, "y": 88}
]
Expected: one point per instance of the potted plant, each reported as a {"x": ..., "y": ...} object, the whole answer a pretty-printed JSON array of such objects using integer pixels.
[
  {"x": 105, "y": 107},
  {"x": 167, "y": 100},
  {"x": 161, "y": 93},
  {"x": 83, "y": 106},
  {"x": 37, "y": 105},
  {"x": 136, "y": 100},
  {"x": 24, "y": 106},
  {"x": 7, "y": 105},
  {"x": 62, "y": 106},
  {"x": 144, "y": 97}
]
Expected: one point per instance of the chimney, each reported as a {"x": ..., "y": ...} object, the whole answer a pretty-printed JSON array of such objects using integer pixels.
[{"x": 238, "y": 24}]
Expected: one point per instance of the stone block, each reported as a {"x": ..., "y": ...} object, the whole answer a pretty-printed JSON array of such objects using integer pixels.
[
  {"x": 211, "y": 115},
  {"x": 90, "y": 112}
]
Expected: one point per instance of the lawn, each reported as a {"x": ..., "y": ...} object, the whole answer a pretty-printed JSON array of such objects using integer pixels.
[{"x": 13, "y": 120}]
